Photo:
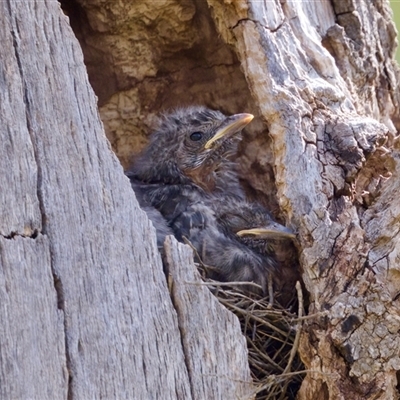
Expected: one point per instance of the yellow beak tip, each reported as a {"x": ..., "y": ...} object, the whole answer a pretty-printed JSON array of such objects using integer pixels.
[{"x": 236, "y": 123}]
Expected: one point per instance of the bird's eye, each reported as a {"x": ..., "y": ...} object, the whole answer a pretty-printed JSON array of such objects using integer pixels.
[{"x": 196, "y": 136}]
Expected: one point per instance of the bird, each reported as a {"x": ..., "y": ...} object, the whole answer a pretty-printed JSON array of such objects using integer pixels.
[
  {"x": 258, "y": 231},
  {"x": 226, "y": 258},
  {"x": 187, "y": 147},
  {"x": 252, "y": 225},
  {"x": 187, "y": 174},
  {"x": 247, "y": 219},
  {"x": 154, "y": 215},
  {"x": 160, "y": 224},
  {"x": 186, "y": 158}
]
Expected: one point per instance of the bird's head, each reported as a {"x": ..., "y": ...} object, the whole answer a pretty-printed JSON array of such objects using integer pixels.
[{"x": 189, "y": 145}]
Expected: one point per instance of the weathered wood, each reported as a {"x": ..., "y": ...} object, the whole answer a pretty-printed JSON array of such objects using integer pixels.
[
  {"x": 19, "y": 212},
  {"x": 215, "y": 348},
  {"x": 327, "y": 113},
  {"x": 322, "y": 76},
  {"x": 33, "y": 362},
  {"x": 83, "y": 293},
  {"x": 110, "y": 286}
]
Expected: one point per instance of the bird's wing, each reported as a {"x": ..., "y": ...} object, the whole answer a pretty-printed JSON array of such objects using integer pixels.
[{"x": 228, "y": 257}]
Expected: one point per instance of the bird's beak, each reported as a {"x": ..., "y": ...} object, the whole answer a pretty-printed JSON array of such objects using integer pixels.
[
  {"x": 273, "y": 231},
  {"x": 230, "y": 126}
]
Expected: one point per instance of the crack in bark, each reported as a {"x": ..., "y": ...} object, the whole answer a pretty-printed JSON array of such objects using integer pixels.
[
  {"x": 12, "y": 235},
  {"x": 58, "y": 287},
  {"x": 240, "y": 21},
  {"x": 27, "y": 112},
  {"x": 384, "y": 257},
  {"x": 258, "y": 24},
  {"x": 170, "y": 284}
]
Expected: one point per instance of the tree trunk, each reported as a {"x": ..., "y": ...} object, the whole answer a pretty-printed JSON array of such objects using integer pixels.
[
  {"x": 86, "y": 309},
  {"x": 86, "y": 312},
  {"x": 325, "y": 81}
]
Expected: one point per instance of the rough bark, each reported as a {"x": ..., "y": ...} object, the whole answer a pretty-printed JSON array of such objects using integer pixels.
[
  {"x": 86, "y": 311},
  {"x": 210, "y": 345},
  {"x": 327, "y": 114},
  {"x": 82, "y": 285},
  {"x": 322, "y": 76}
]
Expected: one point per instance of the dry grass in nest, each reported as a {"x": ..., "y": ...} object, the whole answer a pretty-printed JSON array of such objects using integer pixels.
[{"x": 272, "y": 334}]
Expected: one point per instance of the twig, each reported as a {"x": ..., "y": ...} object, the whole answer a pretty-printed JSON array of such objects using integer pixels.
[
  {"x": 215, "y": 283},
  {"x": 298, "y": 330},
  {"x": 260, "y": 320}
]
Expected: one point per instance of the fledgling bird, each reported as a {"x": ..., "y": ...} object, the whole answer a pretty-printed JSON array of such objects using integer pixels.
[
  {"x": 187, "y": 148},
  {"x": 252, "y": 225},
  {"x": 247, "y": 219},
  {"x": 227, "y": 258},
  {"x": 187, "y": 158},
  {"x": 186, "y": 173},
  {"x": 159, "y": 222},
  {"x": 255, "y": 228}
]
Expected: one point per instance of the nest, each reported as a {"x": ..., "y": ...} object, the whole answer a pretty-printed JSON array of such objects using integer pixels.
[{"x": 272, "y": 333}]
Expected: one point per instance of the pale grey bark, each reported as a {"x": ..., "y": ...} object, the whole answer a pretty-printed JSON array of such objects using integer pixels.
[
  {"x": 33, "y": 361},
  {"x": 215, "y": 352},
  {"x": 85, "y": 309},
  {"x": 325, "y": 80},
  {"x": 82, "y": 289}
]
